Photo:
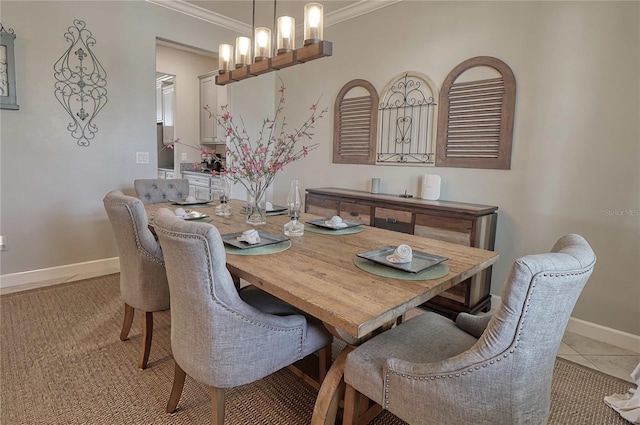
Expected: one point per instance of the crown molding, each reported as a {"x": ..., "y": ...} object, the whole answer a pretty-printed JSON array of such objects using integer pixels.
[
  {"x": 357, "y": 9},
  {"x": 349, "y": 12},
  {"x": 204, "y": 14}
]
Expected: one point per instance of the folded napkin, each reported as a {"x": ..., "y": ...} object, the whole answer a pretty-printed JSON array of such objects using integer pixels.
[
  {"x": 402, "y": 254},
  {"x": 335, "y": 222},
  {"x": 250, "y": 236},
  {"x": 180, "y": 212},
  {"x": 627, "y": 405},
  {"x": 190, "y": 199},
  {"x": 269, "y": 206}
]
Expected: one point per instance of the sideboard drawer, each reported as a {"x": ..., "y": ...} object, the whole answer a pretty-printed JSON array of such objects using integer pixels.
[
  {"x": 320, "y": 206},
  {"x": 446, "y": 229},
  {"x": 396, "y": 220},
  {"x": 355, "y": 212}
]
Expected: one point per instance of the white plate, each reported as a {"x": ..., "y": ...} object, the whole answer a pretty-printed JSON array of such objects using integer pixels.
[
  {"x": 183, "y": 202},
  {"x": 194, "y": 215}
]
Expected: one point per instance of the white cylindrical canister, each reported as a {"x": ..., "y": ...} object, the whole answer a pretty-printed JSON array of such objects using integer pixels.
[
  {"x": 375, "y": 185},
  {"x": 430, "y": 187}
]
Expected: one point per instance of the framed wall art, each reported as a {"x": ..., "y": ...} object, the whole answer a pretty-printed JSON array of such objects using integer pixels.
[{"x": 8, "y": 99}]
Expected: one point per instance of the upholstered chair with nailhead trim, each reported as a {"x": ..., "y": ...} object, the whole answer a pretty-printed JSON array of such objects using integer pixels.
[
  {"x": 143, "y": 280},
  {"x": 494, "y": 369},
  {"x": 156, "y": 191},
  {"x": 220, "y": 336}
]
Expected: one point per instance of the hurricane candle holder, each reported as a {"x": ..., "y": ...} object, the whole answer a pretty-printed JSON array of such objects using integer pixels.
[{"x": 294, "y": 204}]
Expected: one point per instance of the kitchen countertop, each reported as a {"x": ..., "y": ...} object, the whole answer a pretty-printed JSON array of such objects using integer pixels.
[{"x": 198, "y": 172}]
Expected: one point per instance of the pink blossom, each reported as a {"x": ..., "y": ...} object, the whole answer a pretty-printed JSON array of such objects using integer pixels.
[{"x": 254, "y": 164}]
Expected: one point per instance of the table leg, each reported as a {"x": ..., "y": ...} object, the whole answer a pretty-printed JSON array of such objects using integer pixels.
[
  {"x": 332, "y": 389},
  {"x": 331, "y": 392}
]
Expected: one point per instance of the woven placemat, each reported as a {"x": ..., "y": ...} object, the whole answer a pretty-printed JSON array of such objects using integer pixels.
[
  {"x": 435, "y": 272},
  {"x": 348, "y": 231},
  {"x": 260, "y": 250}
]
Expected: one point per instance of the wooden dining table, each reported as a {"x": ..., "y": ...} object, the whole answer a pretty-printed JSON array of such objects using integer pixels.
[{"x": 318, "y": 275}]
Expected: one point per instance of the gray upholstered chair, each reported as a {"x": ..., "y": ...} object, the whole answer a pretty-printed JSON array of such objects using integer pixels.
[
  {"x": 219, "y": 336},
  {"x": 429, "y": 370},
  {"x": 156, "y": 191},
  {"x": 143, "y": 280}
]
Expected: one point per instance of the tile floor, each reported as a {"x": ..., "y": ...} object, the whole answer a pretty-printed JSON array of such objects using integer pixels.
[
  {"x": 597, "y": 355},
  {"x": 594, "y": 354}
]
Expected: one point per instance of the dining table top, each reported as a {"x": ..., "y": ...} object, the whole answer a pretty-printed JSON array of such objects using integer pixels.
[{"x": 317, "y": 274}]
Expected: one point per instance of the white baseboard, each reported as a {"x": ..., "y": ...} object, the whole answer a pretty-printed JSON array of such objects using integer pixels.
[
  {"x": 591, "y": 330},
  {"x": 601, "y": 333},
  {"x": 67, "y": 273}
]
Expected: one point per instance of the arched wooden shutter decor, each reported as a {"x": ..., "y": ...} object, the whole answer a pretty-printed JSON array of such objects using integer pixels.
[
  {"x": 475, "y": 119},
  {"x": 355, "y": 124}
]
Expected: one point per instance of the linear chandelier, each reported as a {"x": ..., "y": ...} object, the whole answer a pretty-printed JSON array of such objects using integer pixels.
[{"x": 243, "y": 65}]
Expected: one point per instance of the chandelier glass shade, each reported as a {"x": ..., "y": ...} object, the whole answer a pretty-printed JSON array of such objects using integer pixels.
[{"x": 243, "y": 65}]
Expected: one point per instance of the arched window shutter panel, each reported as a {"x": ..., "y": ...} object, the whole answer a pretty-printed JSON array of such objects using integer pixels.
[
  {"x": 355, "y": 123},
  {"x": 475, "y": 117}
]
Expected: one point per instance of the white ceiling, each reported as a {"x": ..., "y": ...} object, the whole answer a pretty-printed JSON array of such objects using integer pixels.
[
  {"x": 242, "y": 10},
  {"x": 237, "y": 15}
]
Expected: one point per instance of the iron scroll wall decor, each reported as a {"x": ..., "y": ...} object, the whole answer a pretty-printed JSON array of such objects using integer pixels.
[
  {"x": 8, "y": 98},
  {"x": 80, "y": 83},
  {"x": 407, "y": 120}
]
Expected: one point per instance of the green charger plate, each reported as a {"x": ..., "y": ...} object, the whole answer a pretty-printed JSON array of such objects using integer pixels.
[
  {"x": 435, "y": 272},
  {"x": 260, "y": 250}
]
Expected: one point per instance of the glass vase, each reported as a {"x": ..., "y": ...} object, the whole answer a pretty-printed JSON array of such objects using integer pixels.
[
  {"x": 294, "y": 205},
  {"x": 256, "y": 208}
]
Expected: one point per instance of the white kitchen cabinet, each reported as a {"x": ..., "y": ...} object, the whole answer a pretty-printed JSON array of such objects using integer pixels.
[
  {"x": 199, "y": 185},
  {"x": 159, "y": 109},
  {"x": 164, "y": 173},
  {"x": 211, "y": 98},
  {"x": 168, "y": 102}
]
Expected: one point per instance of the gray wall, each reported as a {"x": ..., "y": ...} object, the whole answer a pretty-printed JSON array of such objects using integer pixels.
[
  {"x": 575, "y": 153},
  {"x": 52, "y": 189}
]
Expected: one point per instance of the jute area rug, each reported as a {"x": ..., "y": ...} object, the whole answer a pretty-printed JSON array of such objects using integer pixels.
[{"x": 62, "y": 363}]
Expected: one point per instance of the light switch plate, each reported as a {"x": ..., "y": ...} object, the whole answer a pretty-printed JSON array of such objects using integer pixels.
[
  {"x": 183, "y": 157},
  {"x": 142, "y": 157}
]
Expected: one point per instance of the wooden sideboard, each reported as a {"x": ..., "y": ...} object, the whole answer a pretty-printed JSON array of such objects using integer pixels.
[{"x": 466, "y": 224}]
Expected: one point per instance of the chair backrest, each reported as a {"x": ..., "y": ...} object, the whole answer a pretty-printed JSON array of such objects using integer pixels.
[
  {"x": 525, "y": 332},
  {"x": 213, "y": 331},
  {"x": 155, "y": 191},
  {"x": 143, "y": 280}
]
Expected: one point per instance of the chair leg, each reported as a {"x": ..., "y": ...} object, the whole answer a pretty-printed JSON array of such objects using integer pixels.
[
  {"x": 126, "y": 323},
  {"x": 217, "y": 406},
  {"x": 353, "y": 406},
  {"x": 179, "y": 376},
  {"x": 147, "y": 335},
  {"x": 325, "y": 362}
]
